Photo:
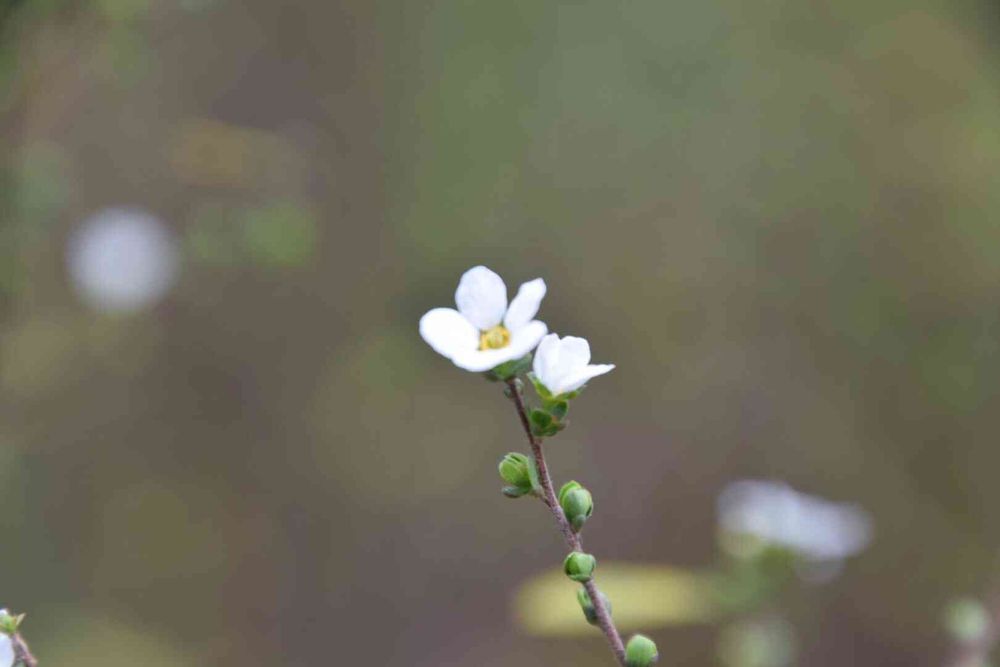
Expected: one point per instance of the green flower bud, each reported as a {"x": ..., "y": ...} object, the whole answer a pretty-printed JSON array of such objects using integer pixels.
[
  {"x": 515, "y": 469},
  {"x": 577, "y": 503},
  {"x": 640, "y": 652},
  {"x": 579, "y": 566},
  {"x": 567, "y": 487},
  {"x": 589, "y": 612}
]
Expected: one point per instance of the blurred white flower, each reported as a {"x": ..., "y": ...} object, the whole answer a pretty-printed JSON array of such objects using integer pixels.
[
  {"x": 6, "y": 651},
  {"x": 563, "y": 365},
  {"x": 122, "y": 259},
  {"x": 485, "y": 332},
  {"x": 775, "y": 513}
]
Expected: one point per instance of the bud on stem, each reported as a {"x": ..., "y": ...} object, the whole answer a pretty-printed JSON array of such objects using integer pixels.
[
  {"x": 577, "y": 503},
  {"x": 640, "y": 652},
  {"x": 515, "y": 470},
  {"x": 579, "y": 566},
  {"x": 589, "y": 611}
]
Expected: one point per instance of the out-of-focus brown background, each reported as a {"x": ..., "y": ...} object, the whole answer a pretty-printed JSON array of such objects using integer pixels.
[{"x": 781, "y": 220}]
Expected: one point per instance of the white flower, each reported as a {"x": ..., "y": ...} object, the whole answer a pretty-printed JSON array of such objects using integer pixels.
[
  {"x": 6, "y": 651},
  {"x": 122, "y": 259},
  {"x": 776, "y": 513},
  {"x": 564, "y": 365},
  {"x": 485, "y": 332}
]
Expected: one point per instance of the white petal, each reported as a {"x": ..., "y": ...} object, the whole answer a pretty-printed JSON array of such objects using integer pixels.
[
  {"x": 522, "y": 342},
  {"x": 6, "y": 651},
  {"x": 575, "y": 352},
  {"x": 481, "y": 297},
  {"x": 525, "y": 305},
  {"x": 526, "y": 339},
  {"x": 448, "y": 332},
  {"x": 545, "y": 357},
  {"x": 579, "y": 377}
]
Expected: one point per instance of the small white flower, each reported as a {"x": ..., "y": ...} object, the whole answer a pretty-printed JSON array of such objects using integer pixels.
[
  {"x": 6, "y": 651},
  {"x": 776, "y": 513},
  {"x": 122, "y": 259},
  {"x": 485, "y": 332},
  {"x": 563, "y": 365}
]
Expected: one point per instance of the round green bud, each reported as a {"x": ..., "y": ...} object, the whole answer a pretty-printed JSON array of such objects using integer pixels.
[
  {"x": 514, "y": 470},
  {"x": 640, "y": 652},
  {"x": 579, "y": 566},
  {"x": 578, "y": 505},
  {"x": 566, "y": 488},
  {"x": 589, "y": 612}
]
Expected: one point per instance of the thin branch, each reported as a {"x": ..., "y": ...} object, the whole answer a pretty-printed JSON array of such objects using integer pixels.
[
  {"x": 22, "y": 654},
  {"x": 604, "y": 620}
]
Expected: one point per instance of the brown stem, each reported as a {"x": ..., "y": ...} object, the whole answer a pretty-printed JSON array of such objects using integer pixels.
[
  {"x": 22, "y": 654},
  {"x": 573, "y": 541}
]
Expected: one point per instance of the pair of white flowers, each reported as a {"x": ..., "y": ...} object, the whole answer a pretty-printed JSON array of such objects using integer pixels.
[{"x": 485, "y": 332}]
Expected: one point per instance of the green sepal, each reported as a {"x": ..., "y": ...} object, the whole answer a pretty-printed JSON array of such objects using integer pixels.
[
  {"x": 640, "y": 652},
  {"x": 540, "y": 418},
  {"x": 509, "y": 370},
  {"x": 542, "y": 424},
  {"x": 553, "y": 429},
  {"x": 515, "y": 491},
  {"x": 558, "y": 410},
  {"x": 540, "y": 389}
]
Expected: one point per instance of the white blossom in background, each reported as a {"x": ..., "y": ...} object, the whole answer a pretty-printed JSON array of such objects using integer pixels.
[
  {"x": 775, "y": 513},
  {"x": 122, "y": 260},
  {"x": 563, "y": 365},
  {"x": 485, "y": 331}
]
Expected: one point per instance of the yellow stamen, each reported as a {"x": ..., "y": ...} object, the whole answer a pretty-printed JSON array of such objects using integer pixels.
[{"x": 495, "y": 338}]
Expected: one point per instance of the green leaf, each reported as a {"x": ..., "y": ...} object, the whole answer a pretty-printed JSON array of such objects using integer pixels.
[
  {"x": 541, "y": 418},
  {"x": 559, "y": 409}
]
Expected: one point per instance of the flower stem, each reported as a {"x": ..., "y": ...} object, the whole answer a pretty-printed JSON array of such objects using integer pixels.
[
  {"x": 22, "y": 654},
  {"x": 573, "y": 541}
]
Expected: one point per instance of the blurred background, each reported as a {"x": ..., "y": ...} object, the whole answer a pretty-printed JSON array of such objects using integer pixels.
[{"x": 223, "y": 442}]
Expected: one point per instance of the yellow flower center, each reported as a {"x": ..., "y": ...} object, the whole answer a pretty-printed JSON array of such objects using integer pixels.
[{"x": 494, "y": 338}]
